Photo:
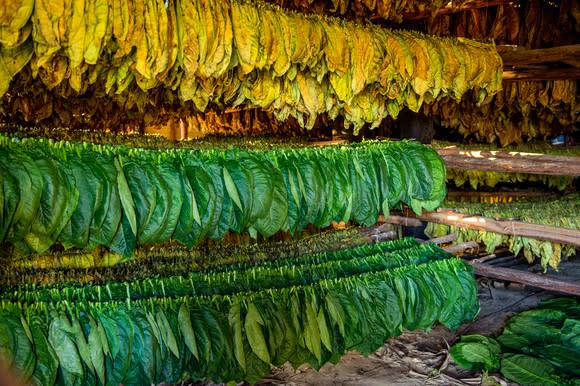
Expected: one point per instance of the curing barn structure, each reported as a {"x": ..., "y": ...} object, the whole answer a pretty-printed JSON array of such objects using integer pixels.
[{"x": 197, "y": 191}]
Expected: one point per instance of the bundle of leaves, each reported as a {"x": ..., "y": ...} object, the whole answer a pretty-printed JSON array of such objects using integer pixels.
[{"x": 537, "y": 347}]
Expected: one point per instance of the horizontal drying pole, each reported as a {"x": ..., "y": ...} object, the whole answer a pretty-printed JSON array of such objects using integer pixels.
[
  {"x": 506, "y": 227},
  {"x": 510, "y": 162}
]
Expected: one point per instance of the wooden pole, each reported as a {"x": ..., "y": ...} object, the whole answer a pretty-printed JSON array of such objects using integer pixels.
[
  {"x": 521, "y": 56},
  {"x": 461, "y": 247},
  {"x": 402, "y": 220},
  {"x": 544, "y": 73},
  {"x": 506, "y": 227},
  {"x": 468, "y": 5},
  {"x": 510, "y": 162},
  {"x": 443, "y": 239},
  {"x": 526, "y": 278},
  {"x": 512, "y": 228}
]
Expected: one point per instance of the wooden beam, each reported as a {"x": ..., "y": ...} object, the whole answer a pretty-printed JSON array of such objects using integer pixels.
[
  {"x": 443, "y": 239},
  {"x": 527, "y": 278},
  {"x": 512, "y": 228},
  {"x": 461, "y": 247},
  {"x": 448, "y": 9},
  {"x": 519, "y": 56},
  {"x": 542, "y": 74},
  {"x": 402, "y": 220},
  {"x": 510, "y": 162}
]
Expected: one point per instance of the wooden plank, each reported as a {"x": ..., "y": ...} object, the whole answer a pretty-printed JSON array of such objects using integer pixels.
[
  {"x": 512, "y": 162},
  {"x": 544, "y": 73},
  {"x": 520, "y": 56},
  {"x": 512, "y": 228},
  {"x": 526, "y": 278}
]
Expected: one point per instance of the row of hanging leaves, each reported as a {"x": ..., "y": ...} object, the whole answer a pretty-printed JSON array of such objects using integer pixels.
[
  {"x": 522, "y": 111},
  {"x": 234, "y": 53},
  {"x": 392, "y": 10},
  {"x": 84, "y": 195},
  {"x": 151, "y": 333}
]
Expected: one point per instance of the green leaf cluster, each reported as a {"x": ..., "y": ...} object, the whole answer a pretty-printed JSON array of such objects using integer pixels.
[
  {"x": 537, "y": 347},
  {"x": 82, "y": 195},
  {"x": 231, "y": 322},
  {"x": 232, "y": 53}
]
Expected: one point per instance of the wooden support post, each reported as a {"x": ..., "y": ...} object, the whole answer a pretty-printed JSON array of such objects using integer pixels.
[{"x": 527, "y": 278}]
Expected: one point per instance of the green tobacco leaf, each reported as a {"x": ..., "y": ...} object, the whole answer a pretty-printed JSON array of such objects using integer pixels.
[
  {"x": 253, "y": 327},
  {"x": 231, "y": 188},
  {"x": 167, "y": 333},
  {"x": 172, "y": 178},
  {"x": 261, "y": 188},
  {"x": 201, "y": 335},
  {"x": 184, "y": 320},
  {"x": 529, "y": 371},
  {"x": 90, "y": 194},
  {"x": 47, "y": 361},
  {"x": 81, "y": 343},
  {"x": 324, "y": 331},
  {"x": 125, "y": 195},
  {"x": 142, "y": 189},
  {"x": 476, "y": 352},
  {"x": 235, "y": 321},
  {"x": 30, "y": 186},
  {"x": 124, "y": 242},
  {"x": 96, "y": 351},
  {"x": 60, "y": 338},
  {"x": 23, "y": 358},
  {"x": 566, "y": 359},
  {"x": 107, "y": 216},
  {"x": 147, "y": 350},
  {"x": 571, "y": 333},
  {"x": 276, "y": 215},
  {"x": 57, "y": 202},
  {"x": 311, "y": 332},
  {"x": 152, "y": 231},
  {"x": 242, "y": 180}
]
